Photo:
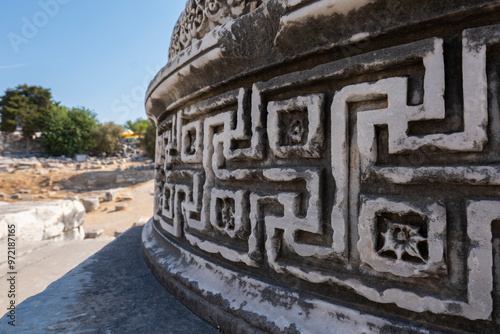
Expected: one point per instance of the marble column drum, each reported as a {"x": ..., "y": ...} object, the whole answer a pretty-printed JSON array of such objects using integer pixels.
[{"x": 330, "y": 166}]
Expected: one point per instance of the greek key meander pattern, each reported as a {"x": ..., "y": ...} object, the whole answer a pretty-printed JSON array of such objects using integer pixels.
[
  {"x": 202, "y": 16},
  {"x": 223, "y": 183}
]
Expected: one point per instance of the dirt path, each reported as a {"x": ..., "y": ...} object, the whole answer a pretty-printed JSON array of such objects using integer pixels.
[
  {"x": 109, "y": 219},
  {"x": 43, "y": 262},
  {"x": 39, "y": 263}
]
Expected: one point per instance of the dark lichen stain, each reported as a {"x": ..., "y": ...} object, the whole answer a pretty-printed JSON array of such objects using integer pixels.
[
  {"x": 342, "y": 317},
  {"x": 454, "y": 308},
  {"x": 291, "y": 330}
]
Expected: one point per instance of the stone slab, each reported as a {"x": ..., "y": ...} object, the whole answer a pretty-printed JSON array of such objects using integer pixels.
[
  {"x": 93, "y": 234},
  {"x": 121, "y": 207},
  {"x": 90, "y": 203},
  {"x": 38, "y": 221},
  {"x": 111, "y": 292},
  {"x": 112, "y": 194}
]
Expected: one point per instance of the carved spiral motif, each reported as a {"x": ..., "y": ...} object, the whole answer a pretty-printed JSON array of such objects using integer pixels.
[{"x": 201, "y": 16}]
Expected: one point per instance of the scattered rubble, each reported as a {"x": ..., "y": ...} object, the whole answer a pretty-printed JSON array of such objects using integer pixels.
[
  {"x": 32, "y": 184},
  {"x": 30, "y": 197},
  {"x": 93, "y": 234},
  {"x": 141, "y": 221},
  {"x": 119, "y": 232},
  {"x": 90, "y": 203},
  {"x": 112, "y": 194},
  {"x": 52, "y": 164},
  {"x": 125, "y": 197},
  {"x": 41, "y": 182},
  {"x": 121, "y": 207}
]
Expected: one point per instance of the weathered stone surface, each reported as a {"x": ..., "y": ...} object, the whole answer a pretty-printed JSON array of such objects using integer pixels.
[
  {"x": 119, "y": 232},
  {"x": 125, "y": 197},
  {"x": 141, "y": 221},
  {"x": 35, "y": 221},
  {"x": 14, "y": 143},
  {"x": 90, "y": 203},
  {"x": 77, "y": 233},
  {"x": 93, "y": 234},
  {"x": 29, "y": 197},
  {"x": 202, "y": 16},
  {"x": 121, "y": 207},
  {"x": 111, "y": 194},
  {"x": 41, "y": 172},
  {"x": 5, "y": 169},
  {"x": 26, "y": 164},
  {"x": 341, "y": 148},
  {"x": 240, "y": 304}
]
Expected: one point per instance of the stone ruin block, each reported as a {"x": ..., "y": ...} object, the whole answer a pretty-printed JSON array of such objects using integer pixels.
[{"x": 330, "y": 166}]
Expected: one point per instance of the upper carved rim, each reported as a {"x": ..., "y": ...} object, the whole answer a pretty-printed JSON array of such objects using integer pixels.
[{"x": 202, "y": 16}]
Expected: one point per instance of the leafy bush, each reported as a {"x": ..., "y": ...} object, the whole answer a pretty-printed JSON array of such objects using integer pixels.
[
  {"x": 149, "y": 141},
  {"x": 139, "y": 127},
  {"x": 68, "y": 131},
  {"x": 64, "y": 131},
  {"x": 107, "y": 139}
]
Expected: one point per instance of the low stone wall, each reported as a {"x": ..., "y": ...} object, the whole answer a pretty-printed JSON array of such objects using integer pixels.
[
  {"x": 12, "y": 144},
  {"x": 36, "y": 221}
]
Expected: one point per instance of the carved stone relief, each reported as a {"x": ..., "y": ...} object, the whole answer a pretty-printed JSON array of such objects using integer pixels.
[
  {"x": 202, "y": 16},
  {"x": 401, "y": 239},
  {"x": 249, "y": 176}
]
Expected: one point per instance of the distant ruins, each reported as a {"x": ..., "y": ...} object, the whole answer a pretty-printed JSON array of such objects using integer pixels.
[{"x": 330, "y": 166}]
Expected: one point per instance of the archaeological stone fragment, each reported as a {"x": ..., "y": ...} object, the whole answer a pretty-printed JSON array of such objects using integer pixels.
[{"x": 330, "y": 166}]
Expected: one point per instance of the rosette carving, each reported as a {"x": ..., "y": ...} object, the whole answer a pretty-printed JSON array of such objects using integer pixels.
[{"x": 201, "y": 16}]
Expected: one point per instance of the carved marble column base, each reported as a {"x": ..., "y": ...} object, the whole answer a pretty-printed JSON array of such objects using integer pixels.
[
  {"x": 331, "y": 166},
  {"x": 235, "y": 302}
]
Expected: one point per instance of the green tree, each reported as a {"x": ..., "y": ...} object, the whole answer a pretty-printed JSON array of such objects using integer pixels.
[
  {"x": 69, "y": 131},
  {"x": 149, "y": 141},
  {"x": 107, "y": 138},
  {"x": 25, "y": 106},
  {"x": 139, "y": 126}
]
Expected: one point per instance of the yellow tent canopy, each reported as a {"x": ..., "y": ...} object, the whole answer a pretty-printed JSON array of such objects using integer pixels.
[{"x": 129, "y": 134}]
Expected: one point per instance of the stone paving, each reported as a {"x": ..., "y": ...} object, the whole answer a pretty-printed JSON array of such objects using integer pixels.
[
  {"x": 39, "y": 263},
  {"x": 111, "y": 292}
]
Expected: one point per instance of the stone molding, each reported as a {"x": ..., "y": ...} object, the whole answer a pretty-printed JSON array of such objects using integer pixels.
[
  {"x": 372, "y": 176},
  {"x": 202, "y": 16},
  {"x": 196, "y": 282}
]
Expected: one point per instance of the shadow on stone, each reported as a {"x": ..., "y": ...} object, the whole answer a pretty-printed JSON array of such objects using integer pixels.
[{"x": 111, "y": 292}]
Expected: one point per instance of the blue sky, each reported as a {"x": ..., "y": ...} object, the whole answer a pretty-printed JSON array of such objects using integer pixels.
[{"x": 99, "y": 54}]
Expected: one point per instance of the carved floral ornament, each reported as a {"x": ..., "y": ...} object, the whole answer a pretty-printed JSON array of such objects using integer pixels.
[
  {"x": 402, "y": 240},
  {"x": 202, "y": 16}
]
